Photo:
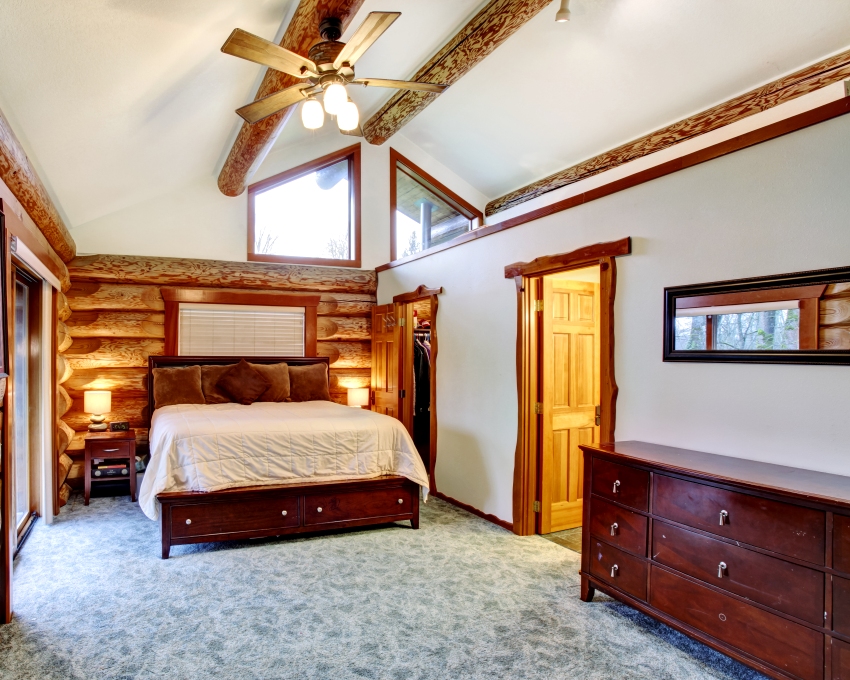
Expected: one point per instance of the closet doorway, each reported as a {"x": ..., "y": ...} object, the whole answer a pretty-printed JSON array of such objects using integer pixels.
[
  {"x": 404, "y": 367},
  {"x": 566, "y": 391}
]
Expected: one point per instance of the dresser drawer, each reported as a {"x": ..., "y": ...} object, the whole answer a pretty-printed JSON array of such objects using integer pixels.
[
  {"x": 621, "y": 483},
  {"x": 106, "y": 449},
  {"x": 789, "y": 646},
  {"x": 840, "y": 660},
  {"x": 841, "y": 543},
  {"x": 779, "y": 527},
  {"x": 618, "y": 568},
  {"x": 209, "y": 519},
  {"x": 342, "y": 507},
  {"x": 617, "y": 526},
  {"x": 841, "y": 605},
  {"x": 773, "y": 582}
]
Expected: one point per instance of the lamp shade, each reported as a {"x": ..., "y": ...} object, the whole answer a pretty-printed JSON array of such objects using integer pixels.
[
  {"x": 335, "y": 97},
  {"x": 358, "y": 396},
  {"x": 97, "y": 402},
  {"x": 348, "y": 117}
]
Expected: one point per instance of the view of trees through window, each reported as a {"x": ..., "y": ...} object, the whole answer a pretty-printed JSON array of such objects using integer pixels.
[
  {"x": 308, "y": 216},
  {"x": 777, "y": 329}
]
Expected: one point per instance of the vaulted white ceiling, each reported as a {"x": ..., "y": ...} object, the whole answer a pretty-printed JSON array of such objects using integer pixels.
[{"x": 120, "y": 101}]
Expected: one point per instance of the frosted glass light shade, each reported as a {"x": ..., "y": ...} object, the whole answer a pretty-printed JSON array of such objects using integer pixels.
[
  {"x": 358, "y": 396},
  {"x": 335, "y": 97},
  {"x": 348, "y": 117},
  {"x": 97, "y": 402},
  {"x": 312, "y": 114}
]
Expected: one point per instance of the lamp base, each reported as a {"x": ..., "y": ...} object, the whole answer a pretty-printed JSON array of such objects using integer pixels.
[{"x": 98, "y": 424}]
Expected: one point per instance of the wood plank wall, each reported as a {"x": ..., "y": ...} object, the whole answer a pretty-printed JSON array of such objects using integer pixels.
[{"x": 113, "y": 321}]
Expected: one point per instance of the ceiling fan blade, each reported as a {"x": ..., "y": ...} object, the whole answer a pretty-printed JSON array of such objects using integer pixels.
[
  {"x": 265, "y": 107},
  {"x": 400, "y": 84},
  {"x": 253, "y": 48},
  {"x": 365, "y": 36}
]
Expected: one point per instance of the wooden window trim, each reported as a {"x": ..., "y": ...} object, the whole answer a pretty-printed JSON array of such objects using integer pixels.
[
  {"x": 174, "y": 296},
  {"x": 418, "y": 174},
  {"x": 350, "y": 152}
]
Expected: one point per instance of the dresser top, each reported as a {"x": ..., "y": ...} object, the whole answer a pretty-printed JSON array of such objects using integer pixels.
[{"x": 790, "y": 481}]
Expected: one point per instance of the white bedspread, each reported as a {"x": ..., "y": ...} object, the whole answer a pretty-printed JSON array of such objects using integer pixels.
[{"x": 221, "y": 446}]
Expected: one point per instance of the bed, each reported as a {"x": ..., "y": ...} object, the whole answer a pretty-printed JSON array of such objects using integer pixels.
[{"x": 222, "y": 472}]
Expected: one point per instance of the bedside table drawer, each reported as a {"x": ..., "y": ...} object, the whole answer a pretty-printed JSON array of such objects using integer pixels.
[{"x": 107, "y": 449}]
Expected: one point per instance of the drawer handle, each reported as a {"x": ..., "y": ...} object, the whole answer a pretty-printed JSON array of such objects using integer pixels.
[
  {"x": 283, "y": 512},
  {"x": 724, "y": 517},
  {"x": 614, "y": 528},
  {"x": 318, "y": 509},
  {"x": 614, "y": 570},
  {"x": 617, "y": 486},
  {"x": 110, "y": 450},
  {"x": 188, "y": 521},
  {"x": 400, "y": 501},
  {"x": 720, "y": 569}
]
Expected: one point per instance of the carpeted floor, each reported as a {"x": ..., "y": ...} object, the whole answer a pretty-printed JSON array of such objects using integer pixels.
[{"x": 460, "y": 598}]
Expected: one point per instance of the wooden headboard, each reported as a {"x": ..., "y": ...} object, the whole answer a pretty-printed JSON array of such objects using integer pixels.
[{"x": 173, "y": 362}]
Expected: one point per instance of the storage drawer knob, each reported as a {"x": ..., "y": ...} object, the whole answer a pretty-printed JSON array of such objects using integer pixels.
[
  {"x": 617, "y": 486},
  {"x": 724, "y": 517},
  {"x": 283, "y": 512},
  {"x": 400, "y": 501},
  {"x": 720, "y": 569},
  {"x": 614, "y": 528},
  {"x": 188, "y": 521},
  {"x": 614, "y": 570},
  {"x": 318, "y": 509}
]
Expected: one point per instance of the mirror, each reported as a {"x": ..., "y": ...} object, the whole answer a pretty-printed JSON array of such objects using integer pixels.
[{"x": 801, "y": 318}]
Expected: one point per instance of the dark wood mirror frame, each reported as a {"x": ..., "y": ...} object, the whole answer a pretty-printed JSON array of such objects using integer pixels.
[{"x": 824, "y": 303}]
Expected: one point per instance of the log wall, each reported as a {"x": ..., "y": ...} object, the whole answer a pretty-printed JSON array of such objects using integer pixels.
[
  {"x": 113, "y": 321},
  {"x": 834, "y": 323}
]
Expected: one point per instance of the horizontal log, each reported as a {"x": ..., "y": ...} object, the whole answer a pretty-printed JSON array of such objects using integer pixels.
[
  {"x": 116, "y": 325},
  {"x": 343, "y": 328},
  {"x": 63, "y": 369},
  {"x": 63, "y": 310},
  {"x": 76, "y": 473},
  {"x": 837, "y": 289},
  {"x": 834, "y": 310},
  {"x": 77, "y": 446},
  {"x": 347, "y": 354},
  {"x": 132, "y": 409},
  {"x": 174, "y": 271},
  {"x": 63, "y": 337},
  {"x": 89, "y": 296},
  {"x": 64, "y": 495},
  {"x": 2, "y": 389},
  {"x": 63, "y": 468},
  {"x": 64, "y": 436},
  {"x": 836, "y": 337},
  {"x": 343, "y": 378},
  {"x": 63, "y": 401},
  {"x": 112, "y": 352},
  {"x": 122, "y": 382}
]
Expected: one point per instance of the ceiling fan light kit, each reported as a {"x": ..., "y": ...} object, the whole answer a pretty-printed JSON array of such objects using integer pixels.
[
  {"x": 563, "y": 12},
  {"x": 329, "y": 68}
]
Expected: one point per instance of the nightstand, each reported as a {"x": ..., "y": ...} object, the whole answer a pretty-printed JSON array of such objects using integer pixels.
[{"x": 111, "y": 445}]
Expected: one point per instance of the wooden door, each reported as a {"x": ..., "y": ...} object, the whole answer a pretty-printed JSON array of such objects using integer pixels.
[
  {"x": 570, "y": 391},
  {"x": 386, "y": 360}
]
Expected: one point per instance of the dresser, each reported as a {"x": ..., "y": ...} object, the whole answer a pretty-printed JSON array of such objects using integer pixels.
[{"x": 750, "y": 558}]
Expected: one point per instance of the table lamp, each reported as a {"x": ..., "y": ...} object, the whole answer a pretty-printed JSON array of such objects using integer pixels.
[
  {"x": 97, "y": 403},
  {"x": 358, "y": 396}
]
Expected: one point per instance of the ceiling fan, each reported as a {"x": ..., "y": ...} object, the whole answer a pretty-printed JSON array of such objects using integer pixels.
[{"x": 329, "y": 68}]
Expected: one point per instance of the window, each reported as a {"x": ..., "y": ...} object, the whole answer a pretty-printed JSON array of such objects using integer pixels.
[
  {"x": 308, "y": 215},
  {"x": 739, "y": 327},
  {"x": 423, "y": 212}
]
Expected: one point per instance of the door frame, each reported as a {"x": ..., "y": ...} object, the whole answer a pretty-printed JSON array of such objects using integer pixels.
[
  {"x": 405, "y": 408},
  {"x": 528, "y": 277}
]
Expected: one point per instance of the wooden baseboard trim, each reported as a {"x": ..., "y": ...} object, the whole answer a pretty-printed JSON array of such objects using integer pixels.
[{"x": 474, "y": 511}]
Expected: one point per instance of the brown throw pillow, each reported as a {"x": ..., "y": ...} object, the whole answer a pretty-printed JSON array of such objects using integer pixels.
[
  {"x": 278, "y": 376},
  {"x": 177, "y": 386},
  {"x": 210, "y": 375},
  {"x": 243, "y": 383},
  {"x": 309, "y": 383}
]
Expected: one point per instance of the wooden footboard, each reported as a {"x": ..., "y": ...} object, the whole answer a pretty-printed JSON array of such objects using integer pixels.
[{"x": 257, "y": 511}]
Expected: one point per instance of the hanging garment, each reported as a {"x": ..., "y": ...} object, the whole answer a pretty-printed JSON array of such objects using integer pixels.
[{"x": 421, "y": 398}]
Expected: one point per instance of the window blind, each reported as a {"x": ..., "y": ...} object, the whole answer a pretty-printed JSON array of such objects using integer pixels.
[{"x": 240, "y": 330}]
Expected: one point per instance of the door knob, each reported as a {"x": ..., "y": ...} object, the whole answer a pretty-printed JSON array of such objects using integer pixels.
[{"x": 614, "y": 528}]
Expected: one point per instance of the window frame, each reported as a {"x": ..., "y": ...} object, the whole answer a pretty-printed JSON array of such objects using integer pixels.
[
  {"x": 433, "y": 185},
  {"x": 352, "y": 154}
]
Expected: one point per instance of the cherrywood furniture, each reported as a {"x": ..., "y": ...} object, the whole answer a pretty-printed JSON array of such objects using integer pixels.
[
  {"x": 750, "y": 558},
  {"x": 111, "y": 445},
  {"x": 275, "y": 510}
]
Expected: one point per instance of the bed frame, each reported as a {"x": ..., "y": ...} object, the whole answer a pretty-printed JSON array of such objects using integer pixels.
[{"x": 257, "y": 511}]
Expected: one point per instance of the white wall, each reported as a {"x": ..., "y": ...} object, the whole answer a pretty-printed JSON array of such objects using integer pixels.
[
  {"x": 778, "y": 207},
  {"x": 197, "y": 220}
]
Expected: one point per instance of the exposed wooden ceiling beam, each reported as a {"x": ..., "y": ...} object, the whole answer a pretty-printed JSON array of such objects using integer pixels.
[
  {"x": 254, "y": 141},
  {"x": 779, "y": 91},
  {"x": 22, "y": 180},
  {"x": 484, "y": 33}
]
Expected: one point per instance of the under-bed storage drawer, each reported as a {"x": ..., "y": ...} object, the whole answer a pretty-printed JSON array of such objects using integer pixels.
[
  {"x": 330, "y": 508},
  {"x": 789, "y": 646},
  {"x": 209, "y": 519},
  {"x": 618, "y": 568},
  {"x": 773, "y": 582},
  {"x": 779, "y": 527}
]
